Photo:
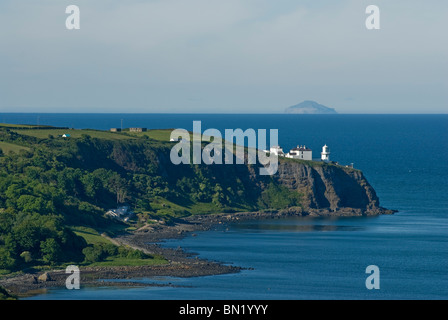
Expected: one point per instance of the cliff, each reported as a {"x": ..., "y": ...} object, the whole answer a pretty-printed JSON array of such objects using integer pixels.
[
  {"x": 330, "y": 189},
  {"x": 314, "y": 187},
  {"x": 93, "y": 175},
  {"x": 309, "y": 187}
]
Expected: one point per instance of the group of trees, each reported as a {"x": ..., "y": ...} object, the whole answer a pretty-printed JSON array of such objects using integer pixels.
[
  {"x": 99, "y": 252},
  {"x": 32, "y": 238},
  {"x": 45, "y": 190}
]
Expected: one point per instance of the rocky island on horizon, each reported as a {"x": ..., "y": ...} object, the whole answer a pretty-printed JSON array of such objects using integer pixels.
[{"x": 310, "y": 107}]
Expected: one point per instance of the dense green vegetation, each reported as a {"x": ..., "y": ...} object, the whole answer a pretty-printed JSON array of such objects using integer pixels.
[{"x": 52, "y": 187}]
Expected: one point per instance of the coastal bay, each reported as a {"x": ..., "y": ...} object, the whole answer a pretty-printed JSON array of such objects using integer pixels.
[{"x": 150, "y": 240}]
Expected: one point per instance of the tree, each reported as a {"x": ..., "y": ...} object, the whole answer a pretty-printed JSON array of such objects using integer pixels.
[
  {"x": 28, "y": 203},
  {"x": 26, "y": 235},
  {"x": 94, "y": 253},
  {"x": 51, "y": 250},
  {"x": 7, "y": 260},
  {"x": 91, "y": 185},
  {"x": 118, "y": 185}
]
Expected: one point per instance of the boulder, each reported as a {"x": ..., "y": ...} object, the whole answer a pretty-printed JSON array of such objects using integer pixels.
[{"x": 44, "y": 277}]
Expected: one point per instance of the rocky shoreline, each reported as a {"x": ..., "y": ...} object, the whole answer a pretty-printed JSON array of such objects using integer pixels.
[{"x": 148, "y": 239}]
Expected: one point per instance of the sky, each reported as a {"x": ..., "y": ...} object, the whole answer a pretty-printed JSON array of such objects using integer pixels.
[{"x": 215, "y": 56}]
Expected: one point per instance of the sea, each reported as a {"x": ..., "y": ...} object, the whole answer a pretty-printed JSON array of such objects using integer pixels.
[{"x": 404, "y": 157}]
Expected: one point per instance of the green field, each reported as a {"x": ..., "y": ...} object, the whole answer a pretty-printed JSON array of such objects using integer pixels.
[
  {"x": 156, "y": 134},
  {"x": 74, "y": 133},
  {"x": 90, "y": 235},
  {"x": 8, "y": 125},
  {"x": 10, "y": 147}
]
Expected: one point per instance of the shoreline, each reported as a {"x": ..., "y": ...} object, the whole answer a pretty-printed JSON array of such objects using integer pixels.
[{"x": 180, "y": 263}]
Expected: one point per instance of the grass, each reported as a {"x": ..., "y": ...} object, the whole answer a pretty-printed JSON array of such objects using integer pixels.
[
  {"x": 164, "y": 208},
  {"x": 9, "y": 125},
  {"x": 74, "y": 133},
  {"x": 90, "y": 235},
  {"x": 210, "y": 208},
  {"x": 157, "y": 134},
  {"x": 10, "y": 147}
]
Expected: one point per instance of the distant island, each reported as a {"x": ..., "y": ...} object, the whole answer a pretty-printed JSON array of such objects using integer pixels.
[{"x": 310, "y": 107}]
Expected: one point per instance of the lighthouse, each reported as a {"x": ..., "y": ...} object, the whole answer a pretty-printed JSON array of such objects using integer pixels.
[{"x": 325, "y": 154}]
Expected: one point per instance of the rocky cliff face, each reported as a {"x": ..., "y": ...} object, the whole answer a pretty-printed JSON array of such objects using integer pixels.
[
  {"x": 329, "y": 188},
  {"x": 324, "y": 188}
]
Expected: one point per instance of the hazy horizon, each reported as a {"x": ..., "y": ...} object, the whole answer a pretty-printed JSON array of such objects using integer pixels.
[
  {"x": 242, "y": 113},
  {"x": 235, "y": 56}
]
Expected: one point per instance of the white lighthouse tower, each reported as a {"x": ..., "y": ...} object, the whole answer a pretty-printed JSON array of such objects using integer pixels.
[{"x": 325, "y": 154}]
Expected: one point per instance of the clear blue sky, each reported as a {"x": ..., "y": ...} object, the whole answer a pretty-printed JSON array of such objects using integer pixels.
[{"x": 223, "y": 56}]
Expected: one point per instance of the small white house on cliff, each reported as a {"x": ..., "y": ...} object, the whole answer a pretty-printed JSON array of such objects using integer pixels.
[
  {"x": 277, "y": 150},
  {"x": 301, "y": 152}
]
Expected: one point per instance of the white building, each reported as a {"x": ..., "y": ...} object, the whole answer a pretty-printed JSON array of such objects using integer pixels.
[
  {"x": 301, "y": 152},
  {"x": 277, "y": 150},
  {"x": 325, "y": 154},
  {"x": 122, "y": 213}
]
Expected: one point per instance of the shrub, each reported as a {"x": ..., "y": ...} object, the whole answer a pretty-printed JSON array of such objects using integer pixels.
[
  {"x": 51, "y": 250},
  {"x": 278, "y": 197},
  {"x": 93, "y": 254}
]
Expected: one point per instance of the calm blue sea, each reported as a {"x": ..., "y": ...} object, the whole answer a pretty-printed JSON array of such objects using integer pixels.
[{"x": 404, "y": 157}]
